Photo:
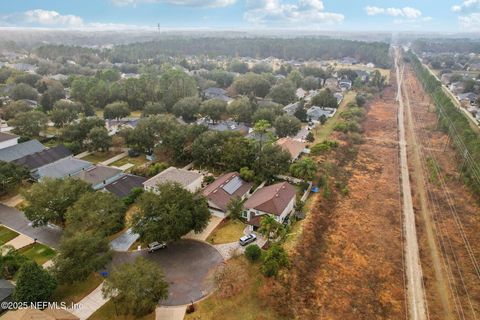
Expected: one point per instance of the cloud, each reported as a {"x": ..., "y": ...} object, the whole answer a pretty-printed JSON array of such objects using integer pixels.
[
  {"x": 186, "y": 3},
  {"x": 406, "y": 12},
  {"x": 278, "y": 12},
  {"x": 467, "y": 6},
  {"x": 50, "y": 18},
  {"x": 471, "y": 21}
]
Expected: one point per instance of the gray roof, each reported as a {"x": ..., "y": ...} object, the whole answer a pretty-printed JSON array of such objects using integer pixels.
[
  {"x": 172, "y": 174},
  {"x": 6, "y": 289},
  {"x": 44, "y": 157},
  {"x": 20, "y": 150},
  {"x": 63, "y": 168},
  {"x": 97, "y": 174},
  {"x": 124, "y": 186}
]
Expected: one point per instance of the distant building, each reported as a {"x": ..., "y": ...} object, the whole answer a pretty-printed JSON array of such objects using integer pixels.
[
  {"x": 20, "y": 150},
  {"x": 217, "y": 93},
  {"x": 62, "y": 169},
  {"x": 332, "y": 84},
  {"x": 315, "y": 113},
  {"x": 99, "y": 176},
  {"x": 291, "y": 108},
  {"x": 123, "y": 187},
  {"x": 294, "y": 147},
  {"x": 8, "y": 140},
  {"x": 44, "y": 157},
  {"x": 469, "y": 98}
]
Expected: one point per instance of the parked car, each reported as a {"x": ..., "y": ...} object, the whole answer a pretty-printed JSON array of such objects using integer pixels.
[
  {"x": 247, "y": 239},
  {"x": 154, "y": 246}
]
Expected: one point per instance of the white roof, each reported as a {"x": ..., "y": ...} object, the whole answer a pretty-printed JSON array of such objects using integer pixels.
[{"x": 172, "y": 174}]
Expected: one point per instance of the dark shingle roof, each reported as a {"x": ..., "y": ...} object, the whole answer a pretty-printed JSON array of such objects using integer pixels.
[
  {"x": 44, "y": 157},
  {"x": 226, "y": 187},
  {"x": 6, "y": 136},
  {"x": 272, "y": 199},
  {"x": 20, "y": 150},
  {"x": 123, "y": 186}
]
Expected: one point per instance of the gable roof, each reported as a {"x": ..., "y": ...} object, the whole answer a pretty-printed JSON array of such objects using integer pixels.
[
  {"x": 44, "y": 157},
  {"x": 272, "y": 199},
  {"x": 20, "y": 150},
  {"x": 294, "y": 147},
  {"x": 172, "y": 174},
  {"x": 7, "y": 136},
  {"x": 123, "y": 186},
  {"x": 222, "y": 190},
  {"x": 62, "y": 168},
  {"x": 97, "y": 174}
]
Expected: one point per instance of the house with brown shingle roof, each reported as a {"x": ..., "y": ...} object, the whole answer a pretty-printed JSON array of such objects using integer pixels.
[
  {"x": 223, "y": 190},
  {"x": 294, "y": 147},
  {"x": 99, "y": 176},
  {"x": 277, "y": 200}
]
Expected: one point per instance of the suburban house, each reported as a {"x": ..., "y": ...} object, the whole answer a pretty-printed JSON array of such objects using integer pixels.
[
  {"x": 294, "y": 147},
  {"x": 345, "y": 84},
  {"x": 114, "y": 126},
  {"x": 291, "y": 108},
  {"x": 20, "y": 150},
  {"x": 457, "y": 87},
  {"x": 224, "y": 126},
  {"x": 332, "y": 84},
  {"x": 44, "y": 157},
  {"x": 277, "y": 200},
  {"x": 223, "y": 190},
  {"x": 300, "y": 93},
  {"x": 190, "y": 180},
  {"x": 99, "y": 176},
  {"x": 362, "y": 75},
  {"x": 61, "y": 169},
  {"x": 338, "y": 96},
  {"x": 123, "y": 187},
  {"x": 315, "y": 113},
  {"x": 217, "y": 93},
  {"x": 469, "y": 98},
  {"x": 7, "y": 140}
]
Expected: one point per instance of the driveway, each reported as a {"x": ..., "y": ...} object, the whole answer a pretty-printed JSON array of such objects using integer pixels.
[
  {"x": 16, "y": 220},
  {"x": 189, "y": 267}
]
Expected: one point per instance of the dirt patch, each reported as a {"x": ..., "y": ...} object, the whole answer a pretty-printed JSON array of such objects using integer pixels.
[{"x": 348, "y": 263}]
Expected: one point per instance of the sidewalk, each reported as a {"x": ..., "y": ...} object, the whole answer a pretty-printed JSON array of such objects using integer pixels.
[
  {"x": 90, "y": 304},
  {"x": 170, "y": 313},
  {"x": 115, "y": 158},
  {"x": 13, "y": 201},
  {"x": 82, "y": 155},
  {"x": 202, "y": 236},
  {"x": 20, "y": 241},
  {"x": 124, "y": 241}
]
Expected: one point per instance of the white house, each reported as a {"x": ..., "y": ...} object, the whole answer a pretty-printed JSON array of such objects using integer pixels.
[{"x": 190, "y": 180}]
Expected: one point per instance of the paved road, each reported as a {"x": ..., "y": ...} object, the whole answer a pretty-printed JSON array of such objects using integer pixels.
[
  {"x": 17, "y": 221},
  {"x": 124, "y": 241},
  {"x": 189, "y": 267},
  {"x": 416, "y": 294}
]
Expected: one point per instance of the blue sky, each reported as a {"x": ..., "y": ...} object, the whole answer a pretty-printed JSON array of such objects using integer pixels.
[{"x": 345, "y": 15}]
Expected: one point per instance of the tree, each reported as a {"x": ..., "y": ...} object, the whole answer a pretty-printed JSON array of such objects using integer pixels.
[
  {"x": 64, "y": 112},
  {"x": 49, "y": 200},
  {"x": 264, "y": 114},
  {"x": 253, "y": 252},
  {"x": 304, "y": 169},
  {"x": 325, "y": 99},
  {"x": 287, "y": 126},
  {"x": 283, "y": 93},
  {"x": 97, "y": 211},
  {"x": 214, "y": 108},
  {"x": 187, "y": 108},
  {"x": 247, "y": 174},
  {"x": 29, "y": 124},
  {"x": 169, "y": 215},
  {"x": 238, "y": 66},
  {"x": 241, "y": 110},
  {"x": 176, "y": 85},
  {"x": 269, "y": 227},
  {"x": 271, "y": 161},
  {"x": 251, "y": 84},
  {"x": 274, "y": 259},
  {"x": 296, "y": 78},
  {"x": 301, "y": 114},
  {"x": 360, "y": 100},
  {"x": 77, "y": 133},
  {"x": 10, "y": 261},
  {"x": 310, "y": 83},
  {"x": 23, "y": 91},
  {"x": 99, "y": 139},
  {"x": 116, "y": 110},
  {"x": 310, "y": 137},
  {"x": 153, "y": 108},
  {"x": 137, "y": 287},
  {"x": 14, "y": 108},
  {"x": 235, "y": 208},
  {"x": 207, "y": 149},
  {"x": 262, "y": 67},
  {"x": 79, "y": 255},
  {"x": 34, "y": 283},
  {"x": 11, "y": 175}
]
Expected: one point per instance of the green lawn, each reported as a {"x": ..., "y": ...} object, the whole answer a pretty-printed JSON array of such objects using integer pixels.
[
  {"x": 6, "y": 235},
  {"x": 137, "y": 161},
  {"x": 323, "y": 132},
  {"x": 76, "y": 291},
  {"x": 107, "y": 311},
  {"x": 97, "y": 157},
  {"x": 228, "y": 231},
  {"x": 38, "y": 252}
]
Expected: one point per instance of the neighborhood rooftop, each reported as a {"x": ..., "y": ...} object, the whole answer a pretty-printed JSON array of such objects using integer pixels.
[
  {"x": 272, "y": 199},
  {"x": 222, "y": 190},
  {"x": 62, "y": 168},
  {"x": 7, "y": 136},
  {"x": 123, "y": 186},
  {"x": 172, "y": 174},
  {"x": 20, "y": 150},
  {"x": 44, "y": 157},
  {"x": 97, "y": 174}
]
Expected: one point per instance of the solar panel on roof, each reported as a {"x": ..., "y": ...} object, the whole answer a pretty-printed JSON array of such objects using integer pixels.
[{"x": 233, "y": 185}]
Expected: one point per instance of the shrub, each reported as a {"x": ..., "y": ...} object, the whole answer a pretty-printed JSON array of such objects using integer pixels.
[
  {"x": 274, "y": 259},
  {"x": 130, "y": 199},
  {"x": 253, "y": 252},
  {"x": 156, "y": 168}
]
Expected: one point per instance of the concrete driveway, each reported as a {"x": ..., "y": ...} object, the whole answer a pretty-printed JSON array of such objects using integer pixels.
[
  {"x": 189, "y": 267},
  {"x": 16, "y": 220}
]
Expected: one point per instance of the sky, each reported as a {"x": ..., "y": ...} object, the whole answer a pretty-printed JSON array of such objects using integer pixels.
[{"x": 342, "y": 15}]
